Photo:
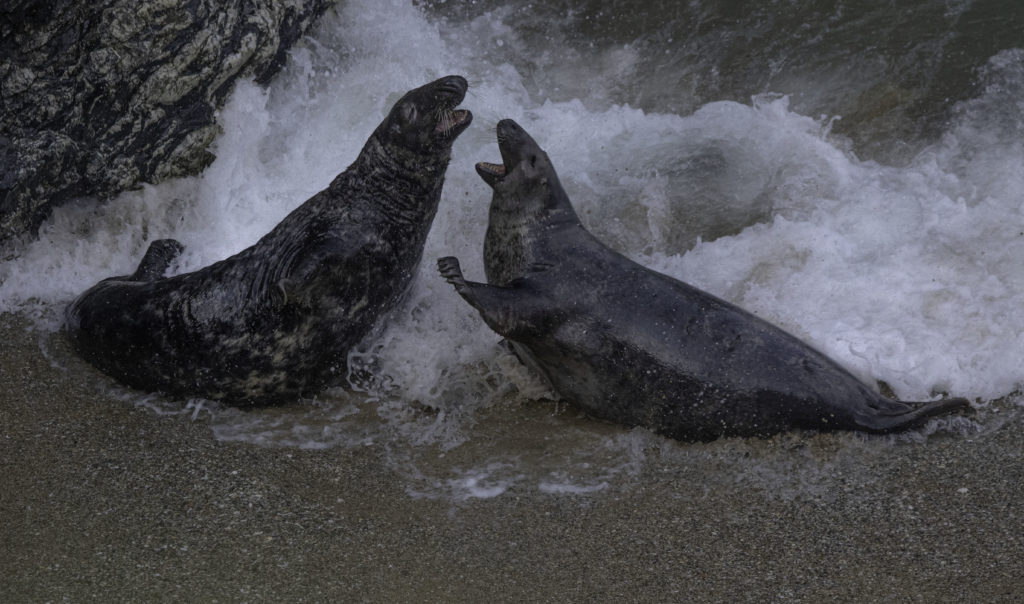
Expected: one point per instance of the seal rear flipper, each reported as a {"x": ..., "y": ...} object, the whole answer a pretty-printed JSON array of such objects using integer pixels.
[
  {"x": 905, "y": 415},
  {"x": 158, "y": 257}
]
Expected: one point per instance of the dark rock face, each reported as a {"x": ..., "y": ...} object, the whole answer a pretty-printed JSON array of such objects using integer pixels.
[{"x": 98, "y": 96}]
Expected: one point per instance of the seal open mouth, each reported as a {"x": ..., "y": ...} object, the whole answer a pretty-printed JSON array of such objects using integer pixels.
[
  {"x": 444, "y": 95},
  {"x": 452, "y": 119},
  {"x": 491, "y": 173},
  {"x": 515, "y": 146}
]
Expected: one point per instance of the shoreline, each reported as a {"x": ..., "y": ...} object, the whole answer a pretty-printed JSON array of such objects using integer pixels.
[{"x": 104, "y": 499}]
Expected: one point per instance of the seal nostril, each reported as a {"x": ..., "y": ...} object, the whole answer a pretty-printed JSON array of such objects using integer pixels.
[
  {"x": 451, "y": 90},
  {"x": 454, "y": 85}
]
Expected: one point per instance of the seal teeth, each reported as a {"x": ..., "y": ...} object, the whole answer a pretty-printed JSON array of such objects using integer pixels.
[
  {"x": 449, "y": 119},
  {"x": 495, "y": 169}
]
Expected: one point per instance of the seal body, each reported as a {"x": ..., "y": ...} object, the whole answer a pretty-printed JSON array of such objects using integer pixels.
[
  {"x": 634, "y": 346},
  {"x": 277, "y": 320}
]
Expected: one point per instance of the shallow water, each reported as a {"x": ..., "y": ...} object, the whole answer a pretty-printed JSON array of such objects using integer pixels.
[{"x": 854, "y": 175}]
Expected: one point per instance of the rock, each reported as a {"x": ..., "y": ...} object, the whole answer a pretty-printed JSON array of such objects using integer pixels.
[{"x": 99, "y": 96}]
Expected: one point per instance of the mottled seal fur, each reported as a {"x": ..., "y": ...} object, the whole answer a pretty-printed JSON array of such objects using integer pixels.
[
  {"x": 277, "y": 320},
  {"x": 634, "y": 346}
]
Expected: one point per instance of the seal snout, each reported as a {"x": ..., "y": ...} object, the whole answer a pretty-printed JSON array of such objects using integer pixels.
[
  {"x": 451, "y": 91},
  {"x": 508, "y": 130},
  {"x": 454, "y": 86}
]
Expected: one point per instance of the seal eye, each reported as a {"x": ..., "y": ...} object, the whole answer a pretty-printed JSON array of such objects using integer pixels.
[
  {"x": 533, "y": 161},
  {"x": 408, "y": 113}
]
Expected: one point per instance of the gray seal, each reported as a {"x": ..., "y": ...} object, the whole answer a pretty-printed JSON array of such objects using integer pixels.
[
  {"x": 637, "y": 347},
  {"x": 277, "y": 320}
]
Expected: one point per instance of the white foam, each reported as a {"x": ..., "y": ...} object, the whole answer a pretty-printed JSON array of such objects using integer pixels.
[{"x": 482, "y": 482}]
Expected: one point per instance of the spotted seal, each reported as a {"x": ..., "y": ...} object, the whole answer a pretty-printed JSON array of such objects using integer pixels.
[
  {"x": 634, "y": 346},
  {"x": 277, "y": 320}
]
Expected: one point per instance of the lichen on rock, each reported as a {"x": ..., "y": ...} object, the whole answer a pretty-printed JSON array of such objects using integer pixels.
[{"x": 98, "y": 97}]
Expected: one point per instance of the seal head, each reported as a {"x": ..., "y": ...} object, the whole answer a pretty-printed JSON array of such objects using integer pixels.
[
  {"x": 525, "y": 178},
  {"x": 426, "y": 120},
  {"x": 528, "y": 201}
]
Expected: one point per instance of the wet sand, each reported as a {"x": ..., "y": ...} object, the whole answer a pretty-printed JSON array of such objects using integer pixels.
[{"x": 102, "y": 500}]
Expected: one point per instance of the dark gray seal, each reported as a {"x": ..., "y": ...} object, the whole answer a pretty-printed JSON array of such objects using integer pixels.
[
  {"x": 631, "y": 345},
  {"x": 277, "y": 320}
]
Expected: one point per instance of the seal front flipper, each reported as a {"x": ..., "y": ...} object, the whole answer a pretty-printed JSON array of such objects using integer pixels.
[
  {"x": 159, "y": 256},
  {"x": 452, "y": 272},
  {"x": 506, "y": 310}
]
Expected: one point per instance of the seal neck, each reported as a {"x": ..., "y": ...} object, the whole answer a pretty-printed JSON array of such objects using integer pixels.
[
  {"x": 520, "y": 241},
  {"x": 537, "y": 219},
  {"x": 409, "y": 182}
]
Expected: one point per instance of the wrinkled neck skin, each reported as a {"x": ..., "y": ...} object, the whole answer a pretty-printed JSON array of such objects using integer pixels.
[{"x": 409, "y": 178}]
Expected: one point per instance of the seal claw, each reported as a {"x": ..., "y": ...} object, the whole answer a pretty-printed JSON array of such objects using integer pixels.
[{"x": 450, "y": 270}]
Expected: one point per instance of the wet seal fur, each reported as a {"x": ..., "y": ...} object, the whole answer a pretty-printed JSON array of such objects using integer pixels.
[
  {"x": 637, "y": 347},
  {"x": 277, "y": 320}
]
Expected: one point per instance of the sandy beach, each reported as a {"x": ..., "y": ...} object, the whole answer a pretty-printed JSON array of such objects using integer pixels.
[{"x": 104, "y": 500}]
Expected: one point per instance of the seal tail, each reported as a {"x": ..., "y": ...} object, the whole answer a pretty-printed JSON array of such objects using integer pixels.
[
  {"x": 158, "y": 257},
  {"x": 895, "y": 416}
]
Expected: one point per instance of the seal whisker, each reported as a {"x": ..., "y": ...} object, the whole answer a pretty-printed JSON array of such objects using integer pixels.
[{"x": 445, "y": 122}]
